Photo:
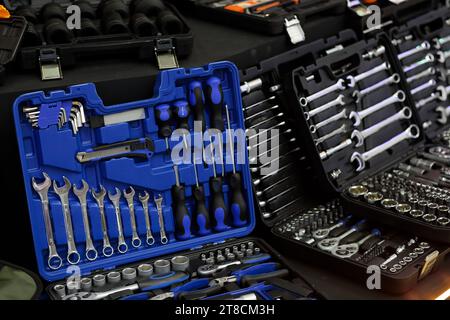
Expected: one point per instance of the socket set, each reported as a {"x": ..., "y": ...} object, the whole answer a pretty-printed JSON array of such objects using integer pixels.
[
  {"x": 108, "y": 185},
  {"x": 333, "y": 236},
  {"x": 246, "y": 269},
  {"x": 423, "y": 48}
]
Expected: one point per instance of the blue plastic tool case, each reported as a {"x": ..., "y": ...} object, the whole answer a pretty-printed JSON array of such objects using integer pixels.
[{"x": 50, "y": 145}]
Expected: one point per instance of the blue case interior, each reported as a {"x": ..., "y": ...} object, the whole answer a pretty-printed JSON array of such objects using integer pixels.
[{"x": 52, "y": 150}]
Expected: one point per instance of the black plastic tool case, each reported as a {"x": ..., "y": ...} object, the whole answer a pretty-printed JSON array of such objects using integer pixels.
[
  {"x": 37, "y": 50},
  {"x": 424, "y": 32},
  {"x": 11, "y": 33},
  {"x": 266, "y": 95},
  {"x": 57, "y": 130},
  {"x": 303, "y": 14}
]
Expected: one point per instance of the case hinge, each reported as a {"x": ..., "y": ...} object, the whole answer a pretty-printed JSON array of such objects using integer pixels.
[
  {"x": 165, "y": 54},
  {"x": 50, "y": 65},
  {"x": 430, "y": 261},
  {"x": 294, "y": 29}
]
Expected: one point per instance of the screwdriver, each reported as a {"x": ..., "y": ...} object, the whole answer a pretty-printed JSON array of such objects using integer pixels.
[
  {"x": 182, "y": 112},
  {"x": 238, "y": 205},
  {"x": 218, "y": 207},
  {"x": 201, "y": 214},
  {"x": 214, "y": 97},
  {"x": 163, "y": 116},
  {"x": 181, "y": 214},
  {"x": 197, "y": 102}
]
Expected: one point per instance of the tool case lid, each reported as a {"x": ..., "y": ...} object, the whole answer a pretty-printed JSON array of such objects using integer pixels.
[
  {"x": 54, "y": 151},
  {"x": 11, "y": 33}
]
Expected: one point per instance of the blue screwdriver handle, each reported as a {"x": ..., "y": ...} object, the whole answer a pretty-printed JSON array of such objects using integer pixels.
[
  {"x": 214, "y": 98},
  {"x": 197, "y": 102},
  {"x": 158, "y": 281},
  {"x": 182, "y": 112},
  {"x": 257, "y": 269}
]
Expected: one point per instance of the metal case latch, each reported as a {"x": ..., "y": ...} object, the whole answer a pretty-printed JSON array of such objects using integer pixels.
[
  {"x": 294, "y": 30},
  {"x": 50, "y": 65},
  {"x": 165, "y": 54},
  {"x": 430, "y": 261}
]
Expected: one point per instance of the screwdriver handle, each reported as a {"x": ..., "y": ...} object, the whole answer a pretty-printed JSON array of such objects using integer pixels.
[
  {"x": 163, "y": 115},
  {"x": 202, "y": 220},
  {"x": 197, "y": 102},
  {"x": 238, "y": 205},
  {"x": 182, "y": 112},
  {"x": 181, "y": 213},
  {"x": 214, "y": 97},
  {"x": 218, "y": 207}
]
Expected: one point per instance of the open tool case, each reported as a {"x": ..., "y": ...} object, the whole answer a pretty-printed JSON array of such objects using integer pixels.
[
  {"x": 293, "y": 201},
  {"x": 122, "y": 148},
  {"x": 133, "y": 29},
  {"x": 297, "y": 18}
]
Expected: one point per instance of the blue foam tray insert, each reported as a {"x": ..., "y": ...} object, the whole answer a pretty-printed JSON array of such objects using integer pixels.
[{"x": 53, "y": 149}]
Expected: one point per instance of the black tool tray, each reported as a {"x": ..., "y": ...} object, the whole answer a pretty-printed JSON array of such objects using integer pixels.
[
  {"x": 11, "y": 33},
  {"x": 252, "y": 252},
  {"x": 298, "y": 18},
  {"x": 95, "y": 39},
  {"x": 423, "y": 32},
  {"x": 266, "y": 96}
]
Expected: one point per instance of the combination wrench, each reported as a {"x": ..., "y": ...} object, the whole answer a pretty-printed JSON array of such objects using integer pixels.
[
  {"x": 122, "y": 246},
  {"x": 393, "y": 79},
  {"x": 429, "y": 84},
  {"x": 353, "y": 80},
  {"x": 346, "y": 251},
  {"x": 360, "y": 136},
  {"x": 357, "y": 117},
  {"x": 341, "y": 115},
  {"x": 54, "y": 260},
  {"x": 99, "y": 197},
  {"x": 429, "y": 58},
  {"x": 162, "y": 231},
  {"x": 73, "y": 257},
  {"x": 339, "y": 101},
  {"x": 339, "y": 85},
  {"x": 443, "y": 56},
  {"x": 439, "y": 42},
  {"x": 413, "y": 132},
  {"x": 440, "y": 94},
  {"x": 341, "y": 130},
  {"x": 91, "y": 252},
  {"x": 444, "y": 113},
  {"x": 148, "y": 227},
  {"x": 421, "y": 47},
  {"x": 427, "y": 72},
  {"x": 129, "y": 196}
]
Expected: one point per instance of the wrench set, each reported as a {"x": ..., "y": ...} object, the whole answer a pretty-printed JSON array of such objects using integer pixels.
[
  {"x": 117, "y": 189},
  {"x": 239, "y": 270},
  {"x": 333, "y": 234},
  {"x": 423, "y": 52}
]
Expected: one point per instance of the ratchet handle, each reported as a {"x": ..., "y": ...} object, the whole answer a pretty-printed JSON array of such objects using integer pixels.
[
  {"x": 162, "y": 281},
  {"x": 247, "y": 280}
]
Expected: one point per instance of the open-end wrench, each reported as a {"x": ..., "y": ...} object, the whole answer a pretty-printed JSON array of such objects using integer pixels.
[
  {"x": 358, "y": 95},
  {"x": 162, "y": 231},
  {"x": 443, "y": 56},
  {"x": 129, "y": 196},
  {"x": 99, "y": 197},
  {"x": 413, "y": 132},
  {"x": 323, "y": 233},
  {"x": 439, "y": 94},
  {"x": 148, "y": 227},
  {"x": 329, "y": 244},
  {"x": 353, "y": 80},
  {"x": 341, "y": 115},
  {"x": 91, "y": 253},
  {"x": 428, "y": 59},
  {"x": 73, "y": 257},
  {"x": 339, "y": 101},
  {"x": 341, "y": 130},
  {"x": 346, "y": 251},
  {"x": 360, "y": 136},
  {"x": 439, "y": 42},
  {"x": 429, "y": 84},
  {"x": 444, "y": 114},
  {"x": 339, "y": 85},
  {"x": 427, "y": 72},
  {"x": 54, "y": 260},
  {"x": 358, "y": 116},
  {"x": 421, "y": 47},
  {"x": 122, "y": 246}
]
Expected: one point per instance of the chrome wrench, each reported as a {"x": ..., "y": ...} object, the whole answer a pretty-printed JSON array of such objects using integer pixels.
[
  {"x": 346, "y": 251},
  {"x": 428, "y": 59},
  {"x": 421, "y": 47},
  {"x": 358, "y": 95},
  {"x": 323, "y": 233},
  {"x": 54, "y": 260},
  {"x": 429, "y": 84},
  {"x": 352, "y": 81},
  {"x": 73, "y": 257},
  {"x": 336, "y": 117},
  {"x": 339, "y": 85},
  {"x": 427, "y": 72},
  {"x": 144, "y": 201},
  {"x": 99, "y": 197},
  {"x": 158, "y": 201},
  {"x": 115, "y": 199},
  {"x": 91, "y": 252},
  {"x": 413, "y": 132},
  {"x": 339, "y": 101},
  {"x": 129, "y": 196},
  {"x": 331, "y": 243}
]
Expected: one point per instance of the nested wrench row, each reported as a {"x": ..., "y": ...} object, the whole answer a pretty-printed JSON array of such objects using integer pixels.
[{"x": 73, "y": 257}]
